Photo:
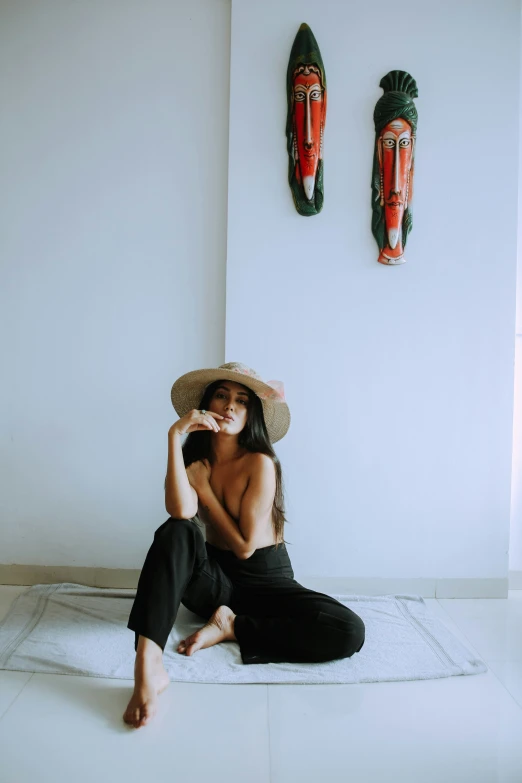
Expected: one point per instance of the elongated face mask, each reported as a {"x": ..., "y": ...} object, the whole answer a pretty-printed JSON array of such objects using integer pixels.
[
  {"x": 305, "y": 121},
  {"x": 308, "y": 126},
  {"x": 395, "y": 150},
  {"x": 395, "y": 118}
]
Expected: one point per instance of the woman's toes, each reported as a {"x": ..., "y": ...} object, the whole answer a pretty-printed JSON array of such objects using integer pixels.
[{"x": 191, "y": 640}]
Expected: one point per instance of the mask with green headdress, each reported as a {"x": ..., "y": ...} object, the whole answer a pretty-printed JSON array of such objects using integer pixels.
[
  {"x": 306, "y": 93},
  {"x": 395, "y": 119}
]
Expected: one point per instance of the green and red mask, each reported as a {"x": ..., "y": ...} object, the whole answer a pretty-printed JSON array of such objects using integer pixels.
[
  {"x": 306, "y": 94},
  {"x": 395, "y": 119}
]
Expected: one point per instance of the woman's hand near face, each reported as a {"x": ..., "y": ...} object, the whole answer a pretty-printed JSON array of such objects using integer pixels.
[
  {"x": 199, "y": 474},
  {"x": 194, "y": 420}
]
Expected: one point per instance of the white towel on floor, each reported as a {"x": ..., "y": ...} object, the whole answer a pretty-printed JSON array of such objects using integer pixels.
[{"x": 75, "y": 629}]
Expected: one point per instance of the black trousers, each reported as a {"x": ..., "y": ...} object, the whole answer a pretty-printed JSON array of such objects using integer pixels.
[{"x": 277, "y": 619}]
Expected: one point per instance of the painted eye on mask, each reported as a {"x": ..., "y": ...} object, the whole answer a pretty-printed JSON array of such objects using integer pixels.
[
  {"x": 299, "y": 95},
  {"x": 388, "y": 144},
  {"x": 315, "y": 95}
]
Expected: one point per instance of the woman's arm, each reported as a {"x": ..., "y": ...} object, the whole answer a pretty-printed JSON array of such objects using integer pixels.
[
  {"x": 220, "y": 520},
  {"x": 256, "y": 506},
  {"x": 181, "y": 500}
]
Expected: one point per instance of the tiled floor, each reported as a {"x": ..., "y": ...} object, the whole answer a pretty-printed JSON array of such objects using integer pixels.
[{"x": 452, "y": 730}]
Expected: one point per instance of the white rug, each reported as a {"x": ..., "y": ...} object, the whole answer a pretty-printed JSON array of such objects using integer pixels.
[{"x": 74, "y": 629}]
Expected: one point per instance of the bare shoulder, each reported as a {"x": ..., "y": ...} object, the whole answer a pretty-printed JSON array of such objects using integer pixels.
[
  {"x": 258, "y": 459},
  {"x": 259, "y": 462}
]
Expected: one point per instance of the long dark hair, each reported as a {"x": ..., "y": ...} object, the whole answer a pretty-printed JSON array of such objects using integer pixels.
[{"x": 253, "y": 437}]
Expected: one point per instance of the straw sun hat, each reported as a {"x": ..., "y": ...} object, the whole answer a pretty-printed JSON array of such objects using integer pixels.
[{"x": 188, "y": 390}]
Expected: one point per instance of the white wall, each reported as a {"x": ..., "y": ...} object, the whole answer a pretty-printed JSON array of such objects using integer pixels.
[
  {"x": 112, "y": 257},
  {"x": 515, "y": 537},
  {"x": 400, "y": 380},
  {"x": 515, "y": 540},
  {"x": 112, "y": 244}
]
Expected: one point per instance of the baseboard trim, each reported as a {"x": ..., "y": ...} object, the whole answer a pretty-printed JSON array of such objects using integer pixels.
[
  {"x": 127, "y": 579},
  {"x": 124, "y": 578}
]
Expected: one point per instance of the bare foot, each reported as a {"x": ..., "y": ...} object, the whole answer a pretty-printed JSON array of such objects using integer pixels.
[
  {"x": 151, "y": 679},
  {"x": 220, "y": 628}
]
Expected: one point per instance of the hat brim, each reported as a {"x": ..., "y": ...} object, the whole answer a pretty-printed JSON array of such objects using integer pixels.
[{"x": 187, "y": 391}]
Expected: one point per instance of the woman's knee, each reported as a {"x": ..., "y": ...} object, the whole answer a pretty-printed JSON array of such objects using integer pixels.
[
  {"x": 174, "y": 528},
  {"x": 345, "y": 643},
  {"x": 343, "y": 634},
  {"x": 354, "y": 639}
]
